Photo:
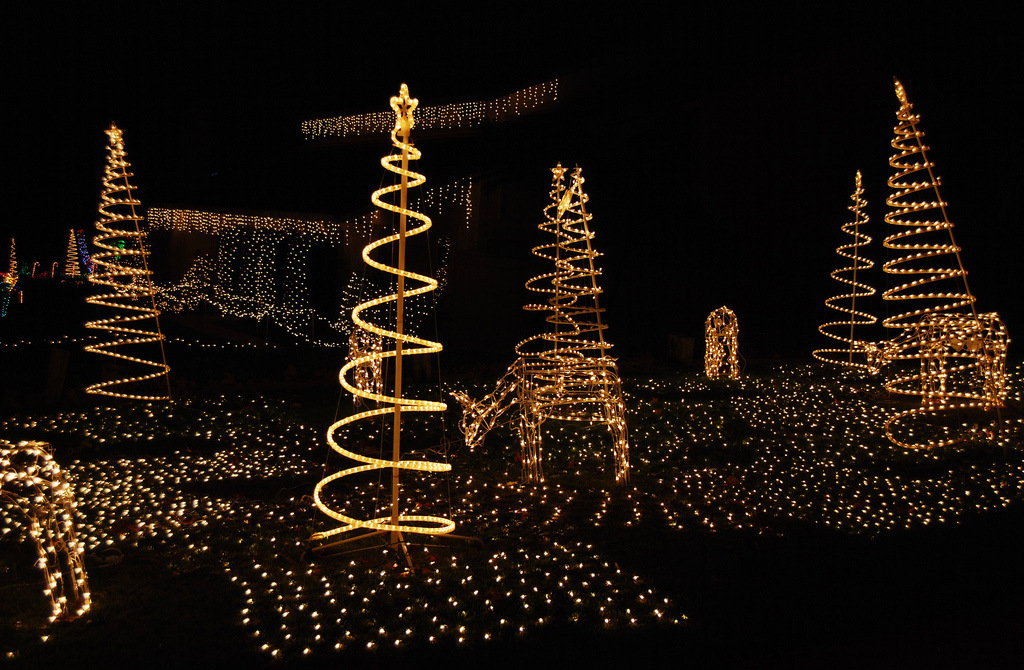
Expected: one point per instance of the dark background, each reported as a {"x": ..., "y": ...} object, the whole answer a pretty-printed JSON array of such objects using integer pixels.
[{"x": 719, "y": 145}]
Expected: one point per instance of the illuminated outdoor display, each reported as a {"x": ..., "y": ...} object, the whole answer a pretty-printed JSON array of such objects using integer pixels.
[
  {"x": 122, "y": 268},
  {"x": 262, "y": 267},
  {"x": 396, "y": 404},
  {"x": 566, "y": 373},
  {"x": 35, "y": 499},
  {"x": 458, "y": 115},
  {"x": 10, "y": 280},
  {"x": 844, "y": 330},
  {"x": 71, "y": 257},
  {"x": 961, "y": 355},
  {"x": 721, "y": 344},
  {"x": 368, "y": 376}
]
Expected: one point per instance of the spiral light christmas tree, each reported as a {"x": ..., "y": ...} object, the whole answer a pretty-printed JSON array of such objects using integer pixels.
[
  {"x": 962, "y": 355},
  {"x": 71, "y": 262},
  {"x": 35, "y": 495},
  {"x": 721, "y": 344},
  {"x": 122, "y": 267},
  {"x": 567, "y": 373},
  {"x": 843, "y": 331},
  {"x": 395, "y": 523}
]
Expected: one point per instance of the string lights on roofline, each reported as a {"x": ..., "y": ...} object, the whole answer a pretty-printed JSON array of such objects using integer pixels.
[
  {"x": 441, "y": 117},
  {"x": 395, "y": 523},
  {"x": 843, "y": 331},
  {"x": 124, "y": 270}
]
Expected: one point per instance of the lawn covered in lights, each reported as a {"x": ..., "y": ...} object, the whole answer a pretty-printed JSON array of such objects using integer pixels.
[{"x": 223, "y": 485}]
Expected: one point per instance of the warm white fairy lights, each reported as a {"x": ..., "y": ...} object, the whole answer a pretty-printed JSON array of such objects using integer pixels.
[
  {"x": 797, "y": 447},
  {"x": 962, "y": 356},
  {"x": 367, "y": 347},
  {"x": 567, "y": 373},
  {"x": 396, "y": 403},
  {"x": 10, "y": 280},
  {"x": 721, "y": 344},
  {"x": 262, "y": 265},
  {"x": 843, "y": 331},
  {"x": 123, "y": 268},
  {"x": 35, "y": 498},
  {"x": 459, "y": 115}
]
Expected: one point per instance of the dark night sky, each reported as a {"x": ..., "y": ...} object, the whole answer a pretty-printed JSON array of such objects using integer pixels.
[{"x": 719, "y": 145}]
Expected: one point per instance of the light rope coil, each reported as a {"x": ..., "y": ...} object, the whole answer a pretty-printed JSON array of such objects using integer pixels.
[
  {"x": 403, "y": 106},
  {"x": 843, "y": 331}
]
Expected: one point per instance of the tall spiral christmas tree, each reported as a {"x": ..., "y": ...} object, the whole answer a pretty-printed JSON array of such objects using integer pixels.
[
  {"x": 843, "y": 331},
  {"x": 929, "y": 268},
  {"x": 395, "y": 523},
  {"x": 122, "y": 268},
  {"x": 961, "y": 354}
]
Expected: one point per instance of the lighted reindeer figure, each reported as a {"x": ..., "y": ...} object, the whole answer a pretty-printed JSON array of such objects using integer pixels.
[
  {"x": 34, "y": 495},
  {"x": 566, "y": 373}
]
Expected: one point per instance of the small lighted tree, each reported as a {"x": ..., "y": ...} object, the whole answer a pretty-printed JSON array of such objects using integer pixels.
[
  {"x": 843, "y": 331},
  {"x": 122, "y": 269},
  {"x": 396, "y": 523},
  {"x": 71, "y": 262},
  {"x": 721, "y": 344}
]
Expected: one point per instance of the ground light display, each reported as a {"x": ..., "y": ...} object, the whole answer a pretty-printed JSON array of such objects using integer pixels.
[
  {"x": 567, "y": 373},
  {"x": 961, "y": 354},
  {"x": 214, "y": 485},
  {"x": 397, "y": 521},
  {"x": 844, "y": 331},
  {"x": 122, "y": 269}
]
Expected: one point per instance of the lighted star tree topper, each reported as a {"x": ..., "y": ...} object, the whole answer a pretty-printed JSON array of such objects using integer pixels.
[
  {"x": 122, "y": 268},
  {"x": 721, "y": 344},
  {"x": 844, "y": 330},
  {"x": 396, "y": 404},
  {"x": 566, "y": 373},
  {"x": 961, "y": 353}
]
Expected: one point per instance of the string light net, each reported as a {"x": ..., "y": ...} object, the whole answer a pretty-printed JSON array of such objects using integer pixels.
[
  {"x": 405, "y": 345},
  {"x": 566, "y": 373},
  {"x": 961, "y": 356},
  {"x": 121, "y": 267},
  {"x": 721, "y": 348},
  {"x": 844, "y": 330},
  {"x": 36, "y": 499}
]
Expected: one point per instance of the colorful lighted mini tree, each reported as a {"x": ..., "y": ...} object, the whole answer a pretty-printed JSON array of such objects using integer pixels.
[
  {"x": 566, "y": 373},
  {"x": 122, "y": 267},
  {"x": 396, "y": 522},
  {"x": 843, "y": 331},
  {"x": 721, "y": 344},
  {"x": 962, "y": 356},
  {"x": 9, "y": 281},
  {"x": 35, "y": 496}
]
